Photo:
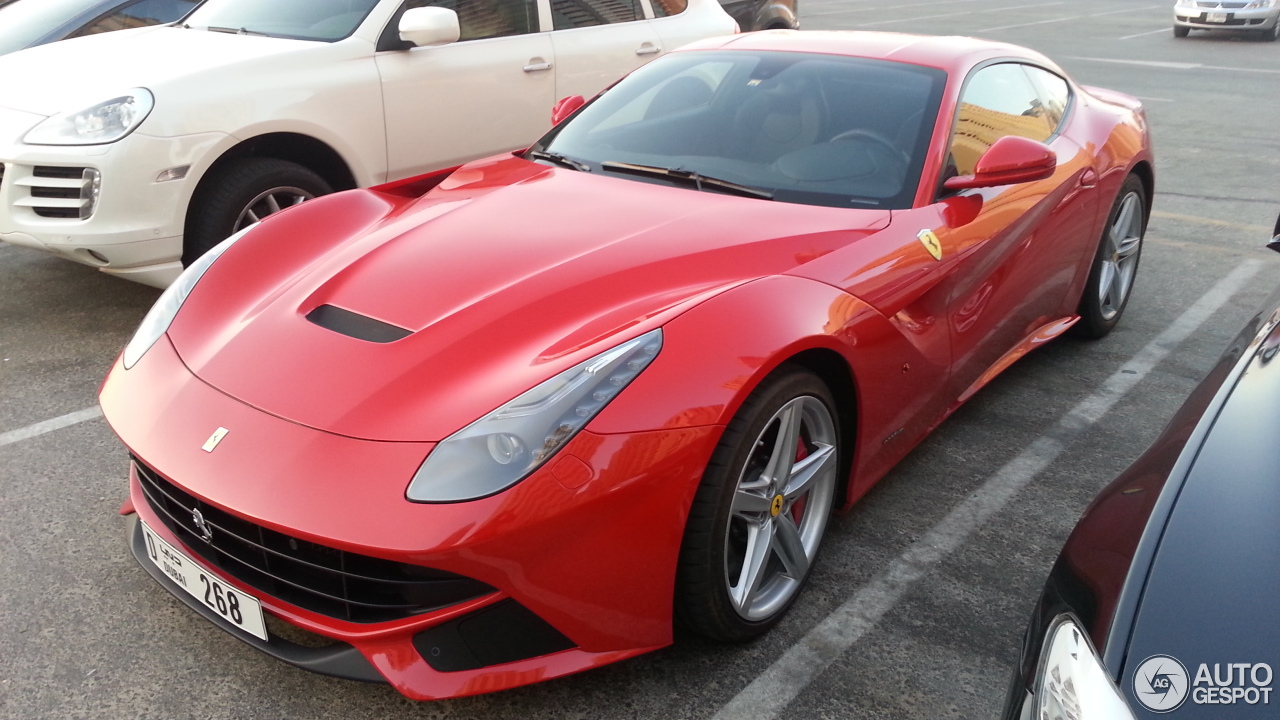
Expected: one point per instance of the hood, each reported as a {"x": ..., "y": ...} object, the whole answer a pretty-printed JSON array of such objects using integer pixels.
[
  {"x": 504, "y": 275},
  {"x": 60, "y": 76},
  {"x": 1213, "y": 591}
]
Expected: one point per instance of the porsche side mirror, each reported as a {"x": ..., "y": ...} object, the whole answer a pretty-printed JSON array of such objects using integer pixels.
[
  {"x": 1009, "y": 160},
  {"x": 565, "y": 108},
  {"x": 430, "y": 26}
]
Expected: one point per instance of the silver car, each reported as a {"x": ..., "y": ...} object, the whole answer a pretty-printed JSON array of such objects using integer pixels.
[{"x": 1260, "y": 17}]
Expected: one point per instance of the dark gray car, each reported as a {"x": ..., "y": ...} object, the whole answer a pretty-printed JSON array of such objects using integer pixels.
[{"x": 27, "y": 23}]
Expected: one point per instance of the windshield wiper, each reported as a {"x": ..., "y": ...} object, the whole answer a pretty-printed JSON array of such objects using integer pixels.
[
  {"x": 232, "y": 31},
  {"x": 558, "y": 159},
  {"x": 690, "y": 176}
]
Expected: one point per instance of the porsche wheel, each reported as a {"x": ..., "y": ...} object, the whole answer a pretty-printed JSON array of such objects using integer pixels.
[
  {"x": 244, "y": 192},
  {"x": 760, "y": 513},
  {"x": 1116, "y": 263}
]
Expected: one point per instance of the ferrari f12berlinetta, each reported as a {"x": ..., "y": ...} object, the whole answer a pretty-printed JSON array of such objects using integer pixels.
[{"x": 512, "y": 421}]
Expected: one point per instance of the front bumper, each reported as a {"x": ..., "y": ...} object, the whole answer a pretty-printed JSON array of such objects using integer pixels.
[
  {"x": 588, "y": 545},
  {"x": 1216, "y": 18},
  {"x": 125, "y": 223}
]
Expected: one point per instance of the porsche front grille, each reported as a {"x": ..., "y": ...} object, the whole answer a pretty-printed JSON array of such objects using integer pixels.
[{"x": 325, "y": 580}]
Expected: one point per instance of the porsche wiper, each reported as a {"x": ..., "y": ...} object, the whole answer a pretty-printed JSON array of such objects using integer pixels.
[
  {"x": 689, "y": 176},
  {"x": 558, "y": 159}
]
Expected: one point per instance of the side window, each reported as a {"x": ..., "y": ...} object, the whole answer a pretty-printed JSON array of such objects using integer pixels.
[
  {"x": 667, "y": 8},
  {"x": 481, "y": 19},
  {"x": 1055, "y": 93},
  {"x": 567, "y": 14},
  {"x": 998, "y": 100},
  {"x": 139, "y": 14}
]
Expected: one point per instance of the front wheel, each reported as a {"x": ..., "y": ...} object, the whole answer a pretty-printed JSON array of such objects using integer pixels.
[
  {"x": 1180, "y": 31},
  {"x": 241, "y": 193},
  {"x": 760, "y": 513},
  {"x": 1115, "y": 265}
]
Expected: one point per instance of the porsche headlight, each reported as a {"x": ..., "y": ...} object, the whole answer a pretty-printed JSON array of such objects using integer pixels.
[
  {"x": 158, "y": 319},
  {"x": 97, "y": 124},
  {"x": 503, "y": 447},
  {"x": 1072, "y": 684}
]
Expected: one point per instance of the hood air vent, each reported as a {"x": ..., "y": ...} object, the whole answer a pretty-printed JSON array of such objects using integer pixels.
[{"x": 354, "y": 325}]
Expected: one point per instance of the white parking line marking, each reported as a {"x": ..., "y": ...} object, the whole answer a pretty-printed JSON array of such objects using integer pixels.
[
  {"x": 1064, "y": 19},
  {"x": 1210, "y": 221},
  {"x": 1145, "y": 98},
  {"x": 48, "y": 426},
  {"x": 1161, "y": 31},
  {"x": 933, "y": 17},
  {"x": 886, "y": 8},
  {"x": 1175, "y": 65},
  {"x": 769, "y": 694}
]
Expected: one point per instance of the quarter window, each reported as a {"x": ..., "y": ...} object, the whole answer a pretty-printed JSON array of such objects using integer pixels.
[
  {"x": 999, "y": 100},
  {"x": 567, "y": 14}
]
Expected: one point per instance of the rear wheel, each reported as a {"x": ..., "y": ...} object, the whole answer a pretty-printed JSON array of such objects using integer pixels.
[
  {"x": 1115, "y": 265},
  {"x": 241, "y": 193},
  {"x": 761, "y": 511},
  {"x": 1180, "y": 31}
]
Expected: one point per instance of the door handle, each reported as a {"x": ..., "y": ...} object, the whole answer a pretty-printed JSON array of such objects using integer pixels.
[
  {"x": 537, "y": 66},
  {"x": 1088, "y": 178},
  {"x": 648, "y": 49}
]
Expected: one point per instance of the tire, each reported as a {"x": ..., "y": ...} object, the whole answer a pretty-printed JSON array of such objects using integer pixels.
[
  {"x": 242, "y": 192},
  {"x": 1273, "y": 34},
  {"x": 1115, "y": 264},
  {"x": 1180, "y": 31},
  {"x": 738, "y": 507}
]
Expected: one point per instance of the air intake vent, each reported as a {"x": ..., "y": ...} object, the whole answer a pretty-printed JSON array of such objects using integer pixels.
[
  {"x": 64, "y": 193},
  {"x": 355, "y": 325}
]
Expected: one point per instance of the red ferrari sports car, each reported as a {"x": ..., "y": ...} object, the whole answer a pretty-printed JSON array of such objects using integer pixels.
[{"x": 511, "y": 421}]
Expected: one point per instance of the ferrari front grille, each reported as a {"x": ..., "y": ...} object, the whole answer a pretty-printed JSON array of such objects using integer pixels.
[{"x": 322, "y": 579}]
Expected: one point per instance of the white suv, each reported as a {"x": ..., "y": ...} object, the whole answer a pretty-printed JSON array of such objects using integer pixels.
[{"x": 135, "y": 150}]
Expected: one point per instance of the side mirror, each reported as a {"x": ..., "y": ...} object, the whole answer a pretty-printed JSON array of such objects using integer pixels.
[
  {"x": 565, "y": 108},
  {"x": 1011, "y": 159},
  {"x": 430, "y": 26}
]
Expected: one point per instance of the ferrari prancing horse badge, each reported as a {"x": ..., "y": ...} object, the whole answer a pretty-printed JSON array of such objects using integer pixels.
[
  {"x": 214, "y": 439},
  {"x": 931, "y": 243}
]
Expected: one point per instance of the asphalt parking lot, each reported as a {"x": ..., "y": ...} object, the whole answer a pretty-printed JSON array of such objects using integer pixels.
[{"x": 917, "y": 604}]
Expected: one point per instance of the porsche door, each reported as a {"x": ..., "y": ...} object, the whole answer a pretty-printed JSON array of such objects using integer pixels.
[
  {"x": 598, "y": 41},
  {"x": 1016, "y": 248},
  {"x": 491, "y": 91}
]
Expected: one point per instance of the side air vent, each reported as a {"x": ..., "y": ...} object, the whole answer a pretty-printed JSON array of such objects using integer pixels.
[{"x": 355, "y": 325}]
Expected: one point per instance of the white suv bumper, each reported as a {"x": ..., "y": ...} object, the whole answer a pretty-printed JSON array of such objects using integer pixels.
[{"x": 100, "y": 205}]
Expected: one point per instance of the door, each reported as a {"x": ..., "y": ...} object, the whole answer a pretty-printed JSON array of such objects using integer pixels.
[
  {"x": 598, "y": 41},
  {"x": 1016, "y": 247},
  {"x": 490, "y": 92}
]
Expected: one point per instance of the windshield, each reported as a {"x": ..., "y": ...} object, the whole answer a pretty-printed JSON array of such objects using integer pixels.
[
  {"x": 324, "y": 20},
  {"x": 30, "y": 20},
  {"x": 794, "y": 127}
]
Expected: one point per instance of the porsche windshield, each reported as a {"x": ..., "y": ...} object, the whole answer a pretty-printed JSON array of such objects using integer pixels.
[
  {"x": 794, "y": 127},
  {"x": 324, "y": 20}
]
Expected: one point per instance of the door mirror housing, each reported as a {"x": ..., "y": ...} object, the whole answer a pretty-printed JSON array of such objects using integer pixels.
[
  {"x": 565, "y": 108},
  {"x": 1009, "y": 160},
  {"x": 430, "y": 26}
]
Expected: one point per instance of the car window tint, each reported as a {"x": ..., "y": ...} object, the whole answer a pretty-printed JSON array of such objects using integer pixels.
[
  {"x": 139, "y": 14},
  {"x": 998, "y": 100},
  {"x": 481, "y": 19},
  {"x": 667, "y": 8},
  {"x": 1055, "y": 93},
  {"x": 568, "y": 14},
  {"x": 320, "y": 20}
]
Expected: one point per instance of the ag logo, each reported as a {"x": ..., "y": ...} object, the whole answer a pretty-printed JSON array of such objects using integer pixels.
[
  {"x": 1160, "y": 683},
  {"x": 931, "y": 243}
]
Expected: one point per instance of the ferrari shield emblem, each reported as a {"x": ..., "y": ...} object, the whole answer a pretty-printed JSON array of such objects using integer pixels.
[
  {"x": 214, "y": 439},
  {"x": 931, "y": 243}
]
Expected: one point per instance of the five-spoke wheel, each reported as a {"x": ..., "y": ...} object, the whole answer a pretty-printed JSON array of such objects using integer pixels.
[{"x": 1116, "y": 263}]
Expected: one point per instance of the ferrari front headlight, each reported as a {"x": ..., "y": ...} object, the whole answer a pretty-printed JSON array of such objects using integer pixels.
[
  {"x": 98, "y": 123},
  {"x": 161, "y": 315},
  {"x": 1072, "y": 684},
  {"x": 505, "y": 446}
]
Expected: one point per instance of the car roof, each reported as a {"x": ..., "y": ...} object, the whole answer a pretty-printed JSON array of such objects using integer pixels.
[{"x": 949, "y": 53}]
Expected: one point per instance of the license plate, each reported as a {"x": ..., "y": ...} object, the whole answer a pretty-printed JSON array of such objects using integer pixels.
[
  {"x": 1216, "y": 17},
  {"x": 243, "y": 611}
]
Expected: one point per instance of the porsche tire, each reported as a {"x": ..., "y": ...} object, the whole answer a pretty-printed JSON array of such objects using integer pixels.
[
  {"x": 1115, "y": 264},
  {"x": 761, "y": 510},
  {"x": 243, "y": 192}
]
